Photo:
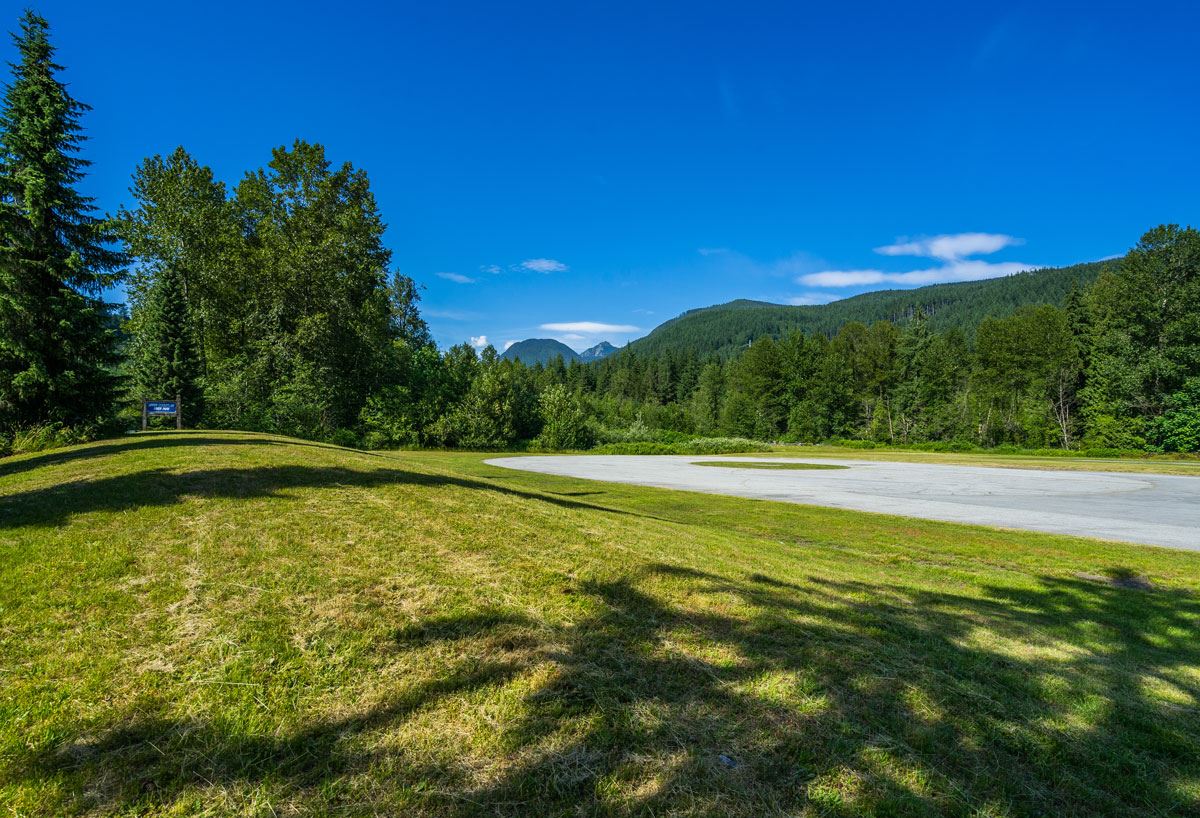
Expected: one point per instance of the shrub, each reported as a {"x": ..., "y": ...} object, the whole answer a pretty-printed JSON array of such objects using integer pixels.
[
  {"x": 390, "y": 420},
  {"x": 1179, "y": 427},
  {"x": 564, "y": 424},
  {"x": 638, "y": 447},
  {"x": 723, "y": 445},
  {"x": 45, "y": 436},
  {"x": 855, "y": 444},
  {"x": 345, "y": 438},
  {"x": 498, "y": 410},
  {"x": 703, "y": 445}
]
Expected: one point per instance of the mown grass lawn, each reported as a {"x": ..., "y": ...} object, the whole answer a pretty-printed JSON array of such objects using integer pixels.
[{"x": 211, "y": 624}]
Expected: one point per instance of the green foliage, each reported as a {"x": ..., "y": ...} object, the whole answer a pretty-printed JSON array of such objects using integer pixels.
[
  {"x": 726, "y": 329},
  {"x": 723, "y": 445},
  {"x": 1145, "y": 345},
  {"x": 167, "y": 359},
  {"x": 564, "y": 422},
  {"x": 1031, "y": 375},
  {"x": 57, "y": 345},
  {"x": 704, "y": 445},
  {"x": 638, "y": 447},
  {"x": 499, "y": 409},
  {"x": 1178, "y": 429},
  {"x": 276, "y": 302},
  {"x": 1028, "y": 369},
  {"x": 44, "y": 437}
]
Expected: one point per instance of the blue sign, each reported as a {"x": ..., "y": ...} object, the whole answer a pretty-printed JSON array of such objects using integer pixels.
[{"x": 161, "y": 407}]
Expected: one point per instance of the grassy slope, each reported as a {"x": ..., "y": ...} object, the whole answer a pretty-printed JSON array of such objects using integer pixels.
[{"x": 214, "y": 624}]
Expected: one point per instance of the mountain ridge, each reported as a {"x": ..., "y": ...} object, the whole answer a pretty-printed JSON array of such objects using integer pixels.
[
  {"x": 722, "y": 329},
  {"x": 533, "y": 351},
  {"x": 598, "y": 352}
]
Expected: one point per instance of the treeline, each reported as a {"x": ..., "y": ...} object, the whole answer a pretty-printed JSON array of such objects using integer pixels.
[
  {"x": 272, "y": 305},
  {"x": 1118, "y": 366},
  {"x": 267, "y": 307},
  {"x": 726, "y": 329}
]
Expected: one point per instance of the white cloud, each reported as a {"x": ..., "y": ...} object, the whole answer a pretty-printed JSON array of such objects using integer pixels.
[
  {"x": 543, "y": 265},
  {"x": 494, "y": 269},
  {"x": 507, "y": 344},
  {"x": 950, "y": 246},
  {"x": 953, "y": 271},
  {"x": 573, "y": 336},
  {"x": 479, "y": 341},
  {"x": 589, "y": 327},
  {"x": 712, "y": 251},
  {"x": 812, "y": 297},
  {"x": 457, "y": 278},
  {"x": 951, "y": 249}
]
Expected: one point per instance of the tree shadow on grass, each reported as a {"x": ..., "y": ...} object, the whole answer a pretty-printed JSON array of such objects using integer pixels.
[
  {"x": 55, "y": 505},
  {"x": 145, "y": 442},
  {"x": 680, "y": 691},
  {"x": 151, "y": 759}
]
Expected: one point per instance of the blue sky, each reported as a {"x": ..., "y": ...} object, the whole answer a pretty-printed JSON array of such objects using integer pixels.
[{"x": 587, "y": 171}]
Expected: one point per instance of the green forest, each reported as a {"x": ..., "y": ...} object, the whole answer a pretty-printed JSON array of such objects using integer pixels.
[
  {"x": 273, "y": 305},
  {"x": 727, "y": 328}
]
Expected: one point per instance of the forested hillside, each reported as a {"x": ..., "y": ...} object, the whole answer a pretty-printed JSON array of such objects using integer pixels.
[
  {"x": 539, "y": 351},
  {"x": 726, "y": 328}
]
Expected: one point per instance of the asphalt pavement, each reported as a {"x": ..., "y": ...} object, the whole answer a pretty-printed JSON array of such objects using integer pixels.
[{"x": 1155, "y": 509}]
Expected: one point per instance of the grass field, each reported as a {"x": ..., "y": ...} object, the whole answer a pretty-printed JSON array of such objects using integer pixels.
[{"x": 212, "y": 624}]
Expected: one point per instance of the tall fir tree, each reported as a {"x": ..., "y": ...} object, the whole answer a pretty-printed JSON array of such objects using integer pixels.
[
  {"x": 57, "y": 349},
  {"x": 166, "y": 360}
]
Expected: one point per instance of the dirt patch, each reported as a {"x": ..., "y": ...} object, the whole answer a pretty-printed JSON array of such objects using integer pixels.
[{"x": 1119, "y": 579}]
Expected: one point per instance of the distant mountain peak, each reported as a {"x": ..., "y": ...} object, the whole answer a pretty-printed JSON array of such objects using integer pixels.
[
  {"x": 600, "y": 350},
  {"x": 534, "y": 351}
]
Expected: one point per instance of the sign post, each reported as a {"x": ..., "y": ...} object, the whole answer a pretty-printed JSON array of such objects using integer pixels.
[{"x": 163, "y": 408}]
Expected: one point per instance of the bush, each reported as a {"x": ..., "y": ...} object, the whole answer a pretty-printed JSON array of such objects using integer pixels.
[
  {"x": 958, "y": 446},
  {"x": 46, "y": 436},
  {"x": 703, "y": 445},
  {"x": 389, "y": 418},
  {"x": 723, "y": 445},
  {"x": 639, "y": 432},
  {"x": 637, "y": 447},
  {"x": 498, "y": 410},
  {"x": 1179, "y": 427},
  {"x": 344, "y": 438},
  {"x": 564, "y": 424},
  {"x": 855, "y": 444}
]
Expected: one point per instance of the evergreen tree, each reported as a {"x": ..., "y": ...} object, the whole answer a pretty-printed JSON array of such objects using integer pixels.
[
  {"x": 167, "y": 362},
  {"x": 56, "y": 346},
  {"x": 182, "y": 226},
  {"x": 1145, "y": 345}
]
